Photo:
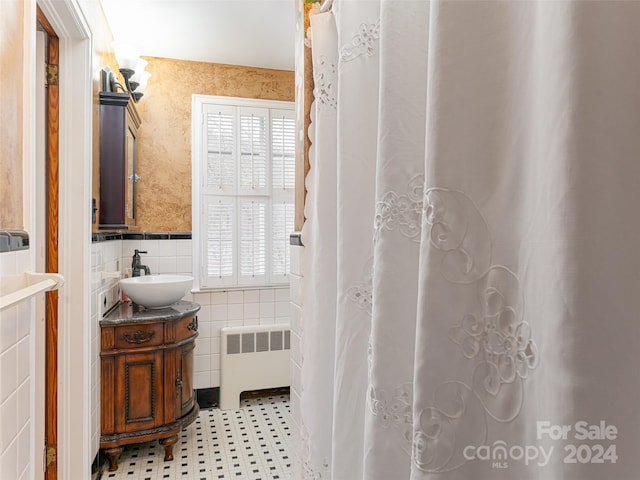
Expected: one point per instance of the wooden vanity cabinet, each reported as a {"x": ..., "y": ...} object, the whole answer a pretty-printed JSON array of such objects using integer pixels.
[{"x": 147, "y": 376}]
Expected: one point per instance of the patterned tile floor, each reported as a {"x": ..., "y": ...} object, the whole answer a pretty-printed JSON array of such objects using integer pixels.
[{"x": 247, "y": 444}]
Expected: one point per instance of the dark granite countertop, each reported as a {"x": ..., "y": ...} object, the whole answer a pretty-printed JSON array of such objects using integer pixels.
[{"x": 132, "y": 313}]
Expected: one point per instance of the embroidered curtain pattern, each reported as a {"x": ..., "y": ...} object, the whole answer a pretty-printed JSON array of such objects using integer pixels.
[{"x": 471, "y": 246}]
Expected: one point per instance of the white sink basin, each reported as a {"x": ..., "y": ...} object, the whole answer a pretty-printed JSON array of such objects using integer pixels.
[{"x": 156, "y": 291}]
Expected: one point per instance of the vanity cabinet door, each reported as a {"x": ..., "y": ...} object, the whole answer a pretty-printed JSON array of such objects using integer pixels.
[
  {"x": 131, "y": 176},
  {"x": 138, "y": 396},
  {"x": 185, "y": 397}
]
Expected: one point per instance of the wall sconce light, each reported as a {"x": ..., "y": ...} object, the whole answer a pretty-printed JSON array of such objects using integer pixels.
[{"x": 132, "y": 69}]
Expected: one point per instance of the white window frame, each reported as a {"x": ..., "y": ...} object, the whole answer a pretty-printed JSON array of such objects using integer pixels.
[{"x": 200, "y": 193}]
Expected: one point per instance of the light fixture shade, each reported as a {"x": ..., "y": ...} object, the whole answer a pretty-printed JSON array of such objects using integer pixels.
[
  {"x": 141, "y": 65},
  {"x": 126, "y": 55},
  {"x": 143, "y": 78},
  {"x": 139, "y": 71}
]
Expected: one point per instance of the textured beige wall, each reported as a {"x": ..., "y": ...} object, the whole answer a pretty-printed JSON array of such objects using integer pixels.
[
  {"x": 164, "y": 139},
  {"x": 11, "y": 51}
]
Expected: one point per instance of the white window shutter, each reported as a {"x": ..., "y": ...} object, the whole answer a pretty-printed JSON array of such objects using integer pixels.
[
  {"x": 219, "y": 218},
  {"x": 220, "y": 146},
  {"x": 253, "y": 146},
  {"x": 283, "y": 151},
  {"x": 282, "y": 217},
  {"x": 252, "y": 240},
  {"x": 244, "y": 181}
]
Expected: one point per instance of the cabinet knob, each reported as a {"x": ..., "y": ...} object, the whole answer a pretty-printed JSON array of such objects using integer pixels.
[{"x": 135, "y": 177}]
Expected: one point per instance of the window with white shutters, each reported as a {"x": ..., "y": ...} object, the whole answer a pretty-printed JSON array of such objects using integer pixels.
[{"x": 244, "y": 180}]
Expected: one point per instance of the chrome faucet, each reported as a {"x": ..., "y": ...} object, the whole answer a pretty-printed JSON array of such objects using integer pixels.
[{"x": 136, "y": 266}]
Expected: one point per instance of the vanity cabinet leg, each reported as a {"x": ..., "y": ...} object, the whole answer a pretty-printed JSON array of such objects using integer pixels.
[
  {"x": 168, "y": 444},
  {"x": 112, "y": 455}
]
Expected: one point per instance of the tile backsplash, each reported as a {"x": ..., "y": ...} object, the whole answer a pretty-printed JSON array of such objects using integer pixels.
[{"x": 163, "y": 256}]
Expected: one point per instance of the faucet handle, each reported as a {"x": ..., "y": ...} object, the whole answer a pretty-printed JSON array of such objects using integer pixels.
[{"x": 139, "y": 251}]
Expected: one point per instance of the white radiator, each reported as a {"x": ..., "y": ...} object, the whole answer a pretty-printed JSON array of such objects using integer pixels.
[{"x": 252, "y": 358}]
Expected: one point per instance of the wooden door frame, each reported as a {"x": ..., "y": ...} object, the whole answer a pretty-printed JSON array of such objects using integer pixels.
[
  {"x": 74, "y": 307},
  {"x": 52, "y": 56}
]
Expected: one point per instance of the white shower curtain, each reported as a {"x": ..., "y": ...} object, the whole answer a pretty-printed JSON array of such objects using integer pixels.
[{"x": 471, "y": 304}]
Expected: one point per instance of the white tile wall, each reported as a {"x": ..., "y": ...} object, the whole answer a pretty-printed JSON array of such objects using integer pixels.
[
  {"x": 297, "y": 359},
  {"x": 16, "y": 384}
]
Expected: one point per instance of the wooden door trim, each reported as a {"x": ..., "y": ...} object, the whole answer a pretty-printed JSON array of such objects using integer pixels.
[
  {"x": 52, "y": 185},
  {"x": 44, "y": 21}
]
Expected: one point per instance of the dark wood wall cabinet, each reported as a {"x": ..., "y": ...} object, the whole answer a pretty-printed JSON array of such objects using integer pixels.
[
  {"x": 119, "y": 123},
  {"x": 147, "y": 376}
]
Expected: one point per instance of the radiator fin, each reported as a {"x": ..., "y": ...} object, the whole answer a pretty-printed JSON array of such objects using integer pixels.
[
  {"x": 248, "y": 342},
  {"x": 276, "y": 341},
  {"x": 233, "y": 344},
  {"x": 262, "y": 342}
]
